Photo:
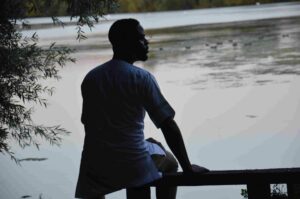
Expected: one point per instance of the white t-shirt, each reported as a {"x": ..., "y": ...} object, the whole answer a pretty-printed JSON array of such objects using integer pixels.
[{"x": 115, "y": 155}]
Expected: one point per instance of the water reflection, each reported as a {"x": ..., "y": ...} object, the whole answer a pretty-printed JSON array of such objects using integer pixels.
[{"x": 237, "y": 55}]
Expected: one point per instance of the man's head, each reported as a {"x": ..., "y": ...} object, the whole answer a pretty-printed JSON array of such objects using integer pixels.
[{"x": 128, "y": 39}]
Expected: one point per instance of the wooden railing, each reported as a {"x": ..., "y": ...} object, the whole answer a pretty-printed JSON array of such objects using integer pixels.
[{"x": 257, "y": 181}]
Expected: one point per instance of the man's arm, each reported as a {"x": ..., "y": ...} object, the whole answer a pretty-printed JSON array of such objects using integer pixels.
[{"x": 174, "y": 140}]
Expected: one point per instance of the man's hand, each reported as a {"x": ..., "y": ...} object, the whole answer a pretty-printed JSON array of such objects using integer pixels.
[
  {"x": 175, "y": 141},
  {"x": 196, "y": 169}
]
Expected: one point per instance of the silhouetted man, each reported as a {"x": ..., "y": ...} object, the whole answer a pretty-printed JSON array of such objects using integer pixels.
[{"x": 116, "y": 95}]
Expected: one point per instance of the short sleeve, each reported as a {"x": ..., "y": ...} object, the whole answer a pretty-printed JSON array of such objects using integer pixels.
[
  {"x": 154, "y": 102},
  {"x": 89, "y": 104},
  {"x": 86, "y": 91}
]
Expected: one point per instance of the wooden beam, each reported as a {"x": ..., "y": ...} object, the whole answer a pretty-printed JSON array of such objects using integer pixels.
[
  {"x": 259, "y": 191},
  {"x": 138, "y": 193},
  {"x": 231, "y": 177},
  {"x": 293, "y": 191}
]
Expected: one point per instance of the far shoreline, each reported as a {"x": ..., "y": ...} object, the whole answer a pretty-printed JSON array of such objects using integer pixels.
[
  {"x": 240, "y": 24},
  {"x": 180, "y": 18}
]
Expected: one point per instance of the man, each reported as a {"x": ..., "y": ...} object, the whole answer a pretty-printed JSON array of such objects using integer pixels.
[{"x": 115, "y": 97}]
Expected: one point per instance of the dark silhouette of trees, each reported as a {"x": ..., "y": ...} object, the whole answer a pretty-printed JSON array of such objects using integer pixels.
[
  {"x": 62, "y": 8},
  {"x": 23, "y": 63}
]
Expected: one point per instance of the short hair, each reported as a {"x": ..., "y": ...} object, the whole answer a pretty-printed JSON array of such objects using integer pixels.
[{"x": 122, "y": 30}]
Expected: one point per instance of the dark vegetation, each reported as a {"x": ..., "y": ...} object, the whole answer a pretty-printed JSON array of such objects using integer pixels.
[
  {"x": 23, "y": 64},
  {"x": 160, "y": 5},
  {"x": 60, "y": 8}
]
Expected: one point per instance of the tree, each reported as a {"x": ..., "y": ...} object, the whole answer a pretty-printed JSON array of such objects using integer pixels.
[{"x": 23, "y": 64}]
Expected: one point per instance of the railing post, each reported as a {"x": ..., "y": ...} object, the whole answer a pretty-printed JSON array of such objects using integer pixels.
[
  {"x": 293, "y": 191},
  {"x": 138, "y": 193},
  {"x": 258, "y": 191}
]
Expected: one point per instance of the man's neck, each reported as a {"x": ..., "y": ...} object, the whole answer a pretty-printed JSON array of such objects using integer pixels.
[{"x": 125, "y": 58}]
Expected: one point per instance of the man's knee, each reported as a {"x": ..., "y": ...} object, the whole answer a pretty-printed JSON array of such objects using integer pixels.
[{"x": 172, "y": 162}]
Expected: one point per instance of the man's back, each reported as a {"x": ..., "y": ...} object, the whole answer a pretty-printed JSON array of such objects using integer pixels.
[
  {"x": 112, "y": 103},
  {"x": 115, "y": 95},
  {"x": 115, "y": 98}
]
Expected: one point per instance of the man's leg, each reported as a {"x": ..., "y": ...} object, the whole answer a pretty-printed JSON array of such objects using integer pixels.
[
  {"x": 138, "y": 193},
  {"x": 165, "y": 164},
  {"x": 100, "y": 197}
]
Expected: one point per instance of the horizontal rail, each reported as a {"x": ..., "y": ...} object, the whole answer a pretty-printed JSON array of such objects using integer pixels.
[
  {"x": 258, "y": 181},
  {"x": 231, "y": 177}
]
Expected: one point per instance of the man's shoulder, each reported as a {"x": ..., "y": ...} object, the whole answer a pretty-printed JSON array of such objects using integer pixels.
[
  {"x": 118, "y": 68},
  {"x": 129, "y": 69},
  {"x": 140, "y": 71},
  {"x": 96, "y": 70}
]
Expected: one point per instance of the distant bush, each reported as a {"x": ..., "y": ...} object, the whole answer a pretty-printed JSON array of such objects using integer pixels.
[
  {"x": 277, "y": 192},
  {"x": 162, "y": 5},
  {"x": 61, "y": 8}
]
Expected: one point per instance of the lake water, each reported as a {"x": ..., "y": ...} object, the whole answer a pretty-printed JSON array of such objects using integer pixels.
[{"x": 234, "y": 86}]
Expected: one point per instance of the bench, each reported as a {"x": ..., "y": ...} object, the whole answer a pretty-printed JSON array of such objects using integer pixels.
[{"x": 258, "y": 181}]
